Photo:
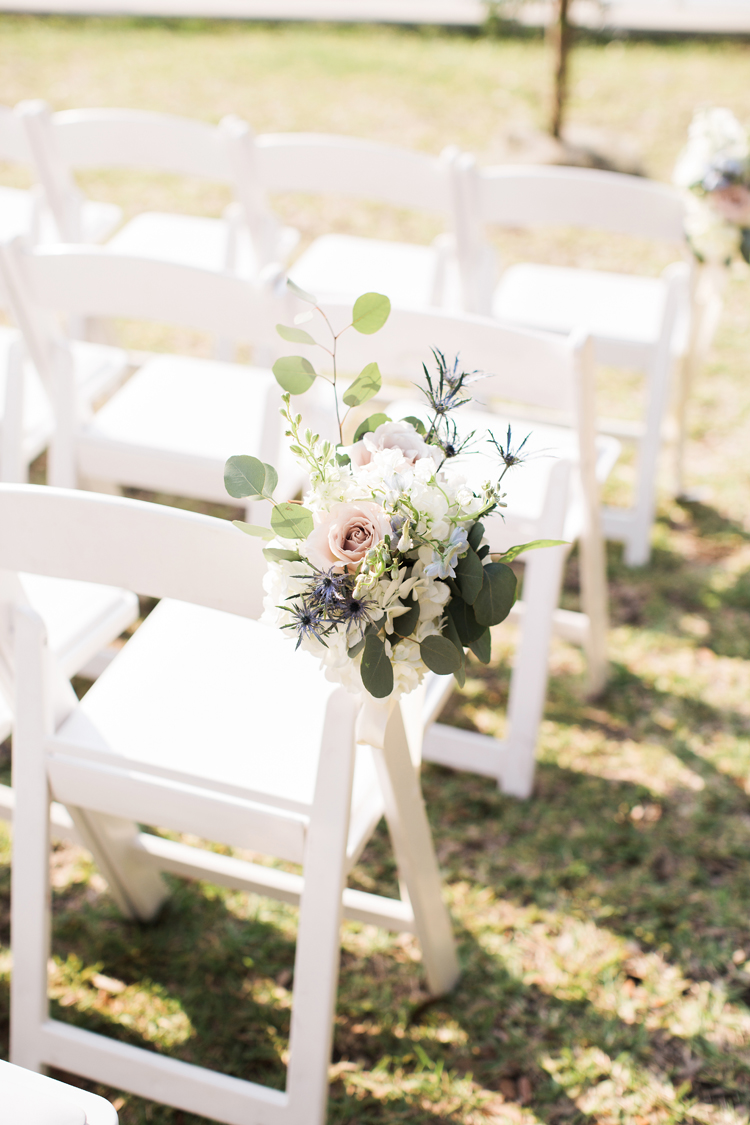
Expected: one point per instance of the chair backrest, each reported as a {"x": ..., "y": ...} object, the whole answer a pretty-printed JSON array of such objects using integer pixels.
[
  {"x": 83, "y": 281},
  {"x": 529, "y": 368},
  {"x": 322, "y": 163},
  {"x": 518, "y": 196},
  {"x": 125, "y": 138},
  {"x": 152, "y": 549}
]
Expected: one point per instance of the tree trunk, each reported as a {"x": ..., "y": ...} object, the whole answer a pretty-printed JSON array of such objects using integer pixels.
[{"x": 561, "y": 38}]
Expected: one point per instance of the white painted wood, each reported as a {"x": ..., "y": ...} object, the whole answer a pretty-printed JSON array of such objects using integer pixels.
[
  {"x": 639, "y": 323},
  {"x": 37, "y": 1100},
  {"x": 188, "y": 728}
]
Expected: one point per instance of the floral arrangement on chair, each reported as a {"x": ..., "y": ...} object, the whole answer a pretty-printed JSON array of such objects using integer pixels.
[
  {"x": 382, "y": 571},
  {"x": 714, "y": 167}
]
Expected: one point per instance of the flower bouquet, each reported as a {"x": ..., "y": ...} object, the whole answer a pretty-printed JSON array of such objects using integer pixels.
[
  {"x": 382, "y": 570},
  {"x": 714, "y": 167}
]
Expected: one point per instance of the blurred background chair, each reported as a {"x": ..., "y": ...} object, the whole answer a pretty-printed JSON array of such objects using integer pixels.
[
  {"x": 345, "y": 265},
  {"x": 174, "y": 423},
  {"x": 639, "y": 323},
  {"x": 554, "y": 496},
  {"x": 247, "y": 238},
  {"x": 38, "y": 1100},
  {"x": 190, "y": 728}
]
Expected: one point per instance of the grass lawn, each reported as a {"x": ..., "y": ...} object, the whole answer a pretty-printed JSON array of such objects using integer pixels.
[{"x": 604, "y": 926}]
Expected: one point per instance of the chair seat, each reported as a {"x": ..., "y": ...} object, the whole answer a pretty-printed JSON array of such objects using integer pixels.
[
  {"x": 150, "y": 707},
  {"x": 35, "y": 1099},
  {"x": 98, "y": 220},
  {"x": 344, "y": 266},
  {"x": 193, "y": 241},
  {"x": 81, "y": 618},
  {"x": 623, "y": 313},
  {"x": 174, "y": 424}
]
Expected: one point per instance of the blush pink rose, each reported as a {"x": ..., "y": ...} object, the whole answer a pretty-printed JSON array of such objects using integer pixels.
[
  {"x": 732, "y": 203},
  {"x": 393, "y": 435},
  {"x": 346, "y": 533}
]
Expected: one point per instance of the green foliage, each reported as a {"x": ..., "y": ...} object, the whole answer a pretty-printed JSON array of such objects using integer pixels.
[
  {"x": 440, "y": 655},
  {"x": 370, "y": 425},
  {"x": 253, "y": 529},
  {"x": 290, "y": 521},
  {"x": 405, "y": 624},
  {"x": 417, "y": 423},
  {"x": 376, "y": 669},
  {"x": 466, "y": 624},
  {"x": 495, "y": 600},
  {"x": 294, "y": 374},
  {"x": 469, "y": 576},
  {"x": 279, "y": 554},
  {"x": 481, "y": 647},
  {"x": 301, "y": 293},
  {"x": 294, "y": 335},
  {"x": 365, "y": 386},
  {"x": 514, "y": 552},
  {"x": 247, "y": 478},
  {"x": 370, "y": 313},
  {"x": 475, "y": 535}
]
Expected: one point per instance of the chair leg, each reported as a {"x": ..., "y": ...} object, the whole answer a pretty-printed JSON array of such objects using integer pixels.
[
  {"x": 415, "y": 855},
  {"x": 595, "y": 601},
  {"x": 528, "y": 686},
  {"x": 316, "y": 963},
  {"x": 30, "y": 883},
  {"x": 136, "y": 887}
]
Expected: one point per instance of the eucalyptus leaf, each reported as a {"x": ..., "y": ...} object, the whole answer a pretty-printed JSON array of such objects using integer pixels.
[
  {"x": 244, "y": 477},
  {"x": 475, "y": 535},
  {"x": 467, "y": 626},
  {"x": 279, "y": 554},
  {"x": 365, "y": 386},
  {"x": 294, "y": 373},
  {"x": 514, "y": 552},
  {"x": 290, "y": 521},
  {"x": 252, "y": 529},
  {"x": 370, "y": 313},
  {"x": 484, "y": 551},
  {"x": 417, "y": 423},
  {"x": 405, "y": 624},
  {"x": 301, "y": 293},
  {"x": 370, "y": 425},
  {"x": 460, "y": 672},
  {"x": 482, "y": 647},
  {"x": 343, "y": 459},
  {"x": 440, "y": 655},
  {"x": 495, "y": 600},
  {"x": 469, "y": 576},
  {"x": 270, "y": 481},
  {"x": 451, "y": 632},
  {"x": 376, "y": 669},
  {"x": 294, "y": 335}
]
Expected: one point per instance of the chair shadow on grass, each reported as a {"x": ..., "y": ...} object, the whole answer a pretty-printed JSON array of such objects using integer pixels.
[{"x": 210, "y": 980}]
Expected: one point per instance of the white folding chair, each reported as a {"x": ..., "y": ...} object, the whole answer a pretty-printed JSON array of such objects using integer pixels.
[
  {"x": 207, "y": 723},
  {"x": 171, "y": 427},
  {"x": 640, "y": 323},
  {"x": 554, "y": 495},
  {"x": 247, "y": 238},
  {"x": 345, "y": 265},
  {"x": 35, "y": 1099}
]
